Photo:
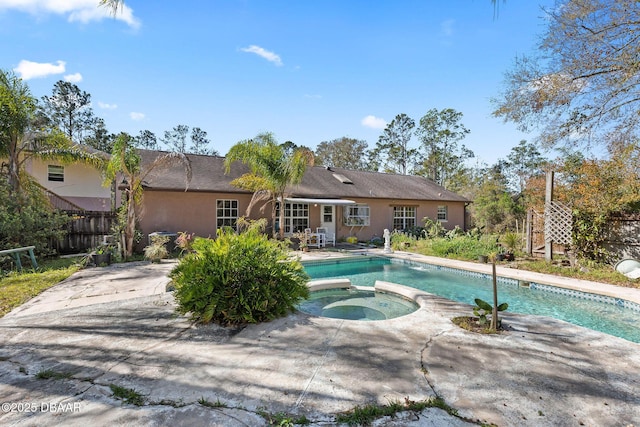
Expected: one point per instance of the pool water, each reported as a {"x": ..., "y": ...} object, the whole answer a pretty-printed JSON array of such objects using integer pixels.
[
  {"x": 608, "y": 318},
  {"x": 357, "y": 305}
]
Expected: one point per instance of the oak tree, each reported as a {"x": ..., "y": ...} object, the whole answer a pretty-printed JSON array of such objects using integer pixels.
[{"x": 581, "y": 86}]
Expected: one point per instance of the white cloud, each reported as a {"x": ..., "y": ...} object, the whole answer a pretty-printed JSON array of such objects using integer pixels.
[
  {"x": 73, "y": 78},
  {"x": 269, "y": 56},
  {"x": 136, "y": 116},
  {"x": 33, "y": 70},
  {"x": 75, "y": 10},
  {"x": 374, "y": 122},
  {"x": 106, "y": 106},
  {"x": 446, "y": 27}
]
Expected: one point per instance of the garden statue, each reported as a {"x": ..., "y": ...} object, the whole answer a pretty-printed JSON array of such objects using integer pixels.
[{"x": 387, "y": 242}]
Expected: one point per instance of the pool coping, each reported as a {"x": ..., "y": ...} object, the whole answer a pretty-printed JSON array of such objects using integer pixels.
[
  {"x": 416, "y": 295},
  {"x": 631, "y": 295}
]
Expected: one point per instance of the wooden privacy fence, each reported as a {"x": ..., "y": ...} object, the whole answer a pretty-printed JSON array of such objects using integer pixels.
[
  {"x": 622, "y": 230},
  {"x": 623, "y": 239},
  {"x": 85, "y": 230}
]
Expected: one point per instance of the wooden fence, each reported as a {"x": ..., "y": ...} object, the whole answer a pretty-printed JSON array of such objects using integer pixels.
[
  {"x": 623, "y": 236},
  {"x": 85, "y": 230}
]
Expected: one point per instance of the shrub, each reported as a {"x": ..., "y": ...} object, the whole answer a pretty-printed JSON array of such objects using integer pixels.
[
  {"x": 238, "y": 279},
  {"x": 27, "y": 219},
  {"x": 464, "y": 247},
  {"x": 184, "y": 242},
  {"x": 401, "y": 240},
  {"x": 157, "y": 250}
]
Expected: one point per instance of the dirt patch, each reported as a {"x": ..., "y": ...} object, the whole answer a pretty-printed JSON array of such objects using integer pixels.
[{"x": 473, "y": 324}]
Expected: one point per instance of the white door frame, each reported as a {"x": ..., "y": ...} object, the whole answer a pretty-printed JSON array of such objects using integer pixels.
[{"x": 330, "y": 226}]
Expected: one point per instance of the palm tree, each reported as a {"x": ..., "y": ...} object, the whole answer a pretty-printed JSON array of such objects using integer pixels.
[
  {"x": 125, "y": 161},
  {"x": 272, "y": 170},
  {"x": 114, "y": 5}
]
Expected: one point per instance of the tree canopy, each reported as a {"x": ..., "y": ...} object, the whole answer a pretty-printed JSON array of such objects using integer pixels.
[
  {"x": 440, "y": 133},
  {"x": 392, "y": 149},
  {"x": 178, "y": 137},
  {"x": 69, "y": 108},
  {"x": 582, "y": 84},
  {"x": 348, "y": 153}
]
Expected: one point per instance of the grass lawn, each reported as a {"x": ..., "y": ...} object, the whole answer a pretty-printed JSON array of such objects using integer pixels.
[{"x": 18, "y": 288}]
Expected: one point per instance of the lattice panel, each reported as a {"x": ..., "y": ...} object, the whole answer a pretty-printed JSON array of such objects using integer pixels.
[{"x": 558, "y": 221}]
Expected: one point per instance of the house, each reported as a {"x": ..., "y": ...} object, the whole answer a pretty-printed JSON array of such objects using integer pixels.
[
  {"x": 347, "y": 202},
  {"x": 77, "y": 186}
]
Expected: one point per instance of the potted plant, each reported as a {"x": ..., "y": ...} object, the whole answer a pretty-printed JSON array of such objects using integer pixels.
[
  {"x": 511, "y": 241},
  {"x": 102, "y": 255},
  {"x": 303, "y": 245}
]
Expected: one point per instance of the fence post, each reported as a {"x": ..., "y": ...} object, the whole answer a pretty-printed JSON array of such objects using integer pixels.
[
  {"x": 548, "y": 197},
  {"x": 529, "y": 232}
]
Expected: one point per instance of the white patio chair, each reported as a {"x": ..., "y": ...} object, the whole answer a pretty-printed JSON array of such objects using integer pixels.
[{"x": 328, "y": 237}]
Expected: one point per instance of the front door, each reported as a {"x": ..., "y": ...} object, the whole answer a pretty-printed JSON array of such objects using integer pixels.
[{"x": 328, "y": 218}]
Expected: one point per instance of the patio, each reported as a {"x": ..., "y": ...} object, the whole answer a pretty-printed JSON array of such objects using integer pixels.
[{"x": 116, "y": 326}]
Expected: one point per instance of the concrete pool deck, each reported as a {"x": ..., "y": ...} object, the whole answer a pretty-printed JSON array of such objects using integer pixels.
[{"x": 117, "y": 326}]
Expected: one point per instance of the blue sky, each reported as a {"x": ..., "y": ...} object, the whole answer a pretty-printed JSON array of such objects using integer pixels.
[{"x": 306, "y": 71}]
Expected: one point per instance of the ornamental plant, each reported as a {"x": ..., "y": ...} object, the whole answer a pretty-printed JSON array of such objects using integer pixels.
[
  {"x": 157, "y": 250},
  {"x": 239, "y": 278},
  {"x": 484, "y": 309}
]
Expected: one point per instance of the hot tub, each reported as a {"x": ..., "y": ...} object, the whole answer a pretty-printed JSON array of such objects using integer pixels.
[{"x": 338, "y": 300}]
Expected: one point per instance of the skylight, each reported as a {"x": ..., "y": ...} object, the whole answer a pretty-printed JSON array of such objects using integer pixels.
[{"x": 343, "y": 179}]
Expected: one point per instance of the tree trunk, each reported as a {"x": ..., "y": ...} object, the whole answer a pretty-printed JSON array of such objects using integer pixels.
[
  {"x": 130, "y": 227},
  {"x": 14, "y": 167},
  {"x": 274, "y": 232},
  {"x": 281, "y": 220},
  {"x": 494, "y": 312}
]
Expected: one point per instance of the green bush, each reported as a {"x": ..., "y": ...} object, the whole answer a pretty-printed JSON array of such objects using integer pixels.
[
  {"x": 401, "y": 240},
  {"x": 462, "y": 247},
  {"x": 157, "y": 250},
  {"x": 27, "y": 219},
  {"x": 238, "y": 279}
]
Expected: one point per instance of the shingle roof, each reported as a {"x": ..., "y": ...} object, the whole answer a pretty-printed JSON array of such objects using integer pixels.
[
  {"x": 322, "y": 182},
  {"x": 318, "y": 181}
]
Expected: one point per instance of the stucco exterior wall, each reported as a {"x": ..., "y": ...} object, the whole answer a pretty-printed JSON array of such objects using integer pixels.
[
  {"x": 195, "y": 212},
  {"x": 381, "y": 216},
  {"x": 82, "y": 184}
]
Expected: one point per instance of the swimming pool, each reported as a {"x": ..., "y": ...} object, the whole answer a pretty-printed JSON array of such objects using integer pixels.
[{"x": 462, "y": 286}]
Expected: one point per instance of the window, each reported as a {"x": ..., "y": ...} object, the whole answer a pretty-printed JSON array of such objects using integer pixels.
[
  {"x": 296, "y": 217},
  {"x": 56, "y": 173},
  {"x": 327, "y": 213},
  {"x": 226, "y": 213},
  {"x": 404, "y": 217},
  {"x": 356, "y": 215},
  {"x": 442, "y": 213}
]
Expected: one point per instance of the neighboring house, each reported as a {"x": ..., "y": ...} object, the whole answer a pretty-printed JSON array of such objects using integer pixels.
[
  {"x": 347, "y": 202},
  {"x": 77, "y": 183}
]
